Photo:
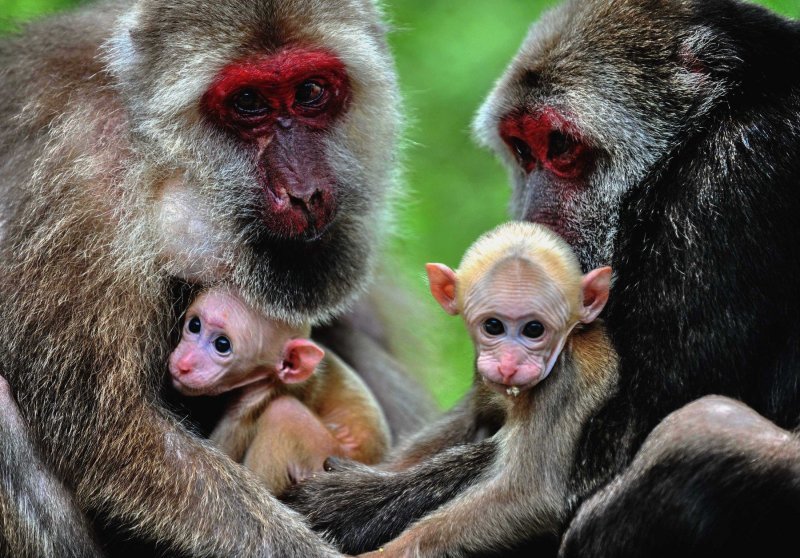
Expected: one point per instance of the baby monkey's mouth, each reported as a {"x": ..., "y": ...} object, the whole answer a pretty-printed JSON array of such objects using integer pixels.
[{"x": 510, "y": 390}]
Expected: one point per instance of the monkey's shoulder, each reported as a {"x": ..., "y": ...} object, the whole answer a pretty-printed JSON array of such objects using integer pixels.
[
  {"x": 591, "y": 351},
  {"x": 66, "y": 53}
]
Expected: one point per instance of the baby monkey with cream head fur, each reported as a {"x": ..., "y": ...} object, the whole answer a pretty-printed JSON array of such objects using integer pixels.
[
  {"x": 543, "y": 362},
  {"x": 294, "y": 406},
  {"x": 520, "y": 292}
]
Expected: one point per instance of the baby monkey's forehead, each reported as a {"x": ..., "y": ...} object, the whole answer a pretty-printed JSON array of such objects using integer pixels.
[
  {"x": 220, "y": 310},
  {"x": 515, "y": 288}
]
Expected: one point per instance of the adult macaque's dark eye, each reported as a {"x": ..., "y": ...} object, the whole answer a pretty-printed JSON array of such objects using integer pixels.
[
  {"x": 534, "y": 330},
  {"x": 493, "y": 326},
  {"x": 222, "y": 345},
  {"x": 559, "y": 144},
  {"x": 521, "y": 150},
  {"x": 194, "y": 325},
  {"x": 249, "y": 102},
  {"x": 309, "y": 94}
]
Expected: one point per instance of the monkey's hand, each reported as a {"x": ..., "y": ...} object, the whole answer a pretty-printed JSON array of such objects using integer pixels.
[
  {"x": 347, "y": 440},
  {"x": 360, "y": 508}
]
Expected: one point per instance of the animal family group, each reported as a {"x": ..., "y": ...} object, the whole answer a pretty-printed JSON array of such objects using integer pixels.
[{"x": 196, "y": 356}]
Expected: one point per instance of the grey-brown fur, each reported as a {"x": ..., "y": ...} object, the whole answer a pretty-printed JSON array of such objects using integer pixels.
[
  {"x": 100, "y": 112},
  {"x": 37, "y": 513}
]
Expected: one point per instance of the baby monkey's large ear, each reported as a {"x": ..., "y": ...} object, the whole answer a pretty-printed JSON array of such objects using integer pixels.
[
  {"x": 300, "y": 359},
  {"x": 442, "y": 281},
  {"x": 595, "y": 286}
]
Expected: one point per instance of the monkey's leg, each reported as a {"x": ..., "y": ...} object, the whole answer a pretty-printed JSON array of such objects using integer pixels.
[
  {"x": 290, "y": 444},
  {"x": 346, "y": 406},
  {"x": 406, "y": 404},
  {"x": 715, "y": 478},
  {"x": 359, "y": 508},
  {"x": 38, "y": 516}
]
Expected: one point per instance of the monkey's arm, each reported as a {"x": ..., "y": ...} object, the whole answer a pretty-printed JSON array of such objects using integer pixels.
[
  {"x": 727, "y": 483},
  {"x": 360, "y": 508},
  {"x": 500, "y": 510},
  {"x": 290, "y": 444},
  {"x": 172, "y": 488},
  {"x": 38, "y": 516},
  {"x": 236, "y": 430},
  {"x": 477, "y": 416},
  {"x": 346, "y": 406},
  {"x": 232, "y": 435}
]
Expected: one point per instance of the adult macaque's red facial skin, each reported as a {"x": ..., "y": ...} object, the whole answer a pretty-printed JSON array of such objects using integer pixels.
[
  {"x": 546, "y": 140},
  {"x": 282, "y": 106}
]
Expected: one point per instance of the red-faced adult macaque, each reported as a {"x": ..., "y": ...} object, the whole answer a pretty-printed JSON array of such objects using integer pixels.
[
  {"x": 543, "y": 365},
  {"x": 147, "y": 144},
  {"x": 284, "y": 420}
]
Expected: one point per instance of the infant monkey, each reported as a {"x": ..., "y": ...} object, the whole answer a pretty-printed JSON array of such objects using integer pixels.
[
  {"x": 285, "y": 419},
  {"x": 530, "y": 312},
  {"x": 520, "y": 291}
]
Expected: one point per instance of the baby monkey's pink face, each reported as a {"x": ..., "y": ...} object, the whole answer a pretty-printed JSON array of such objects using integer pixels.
[
  {"x": 518, "y": 321},
  {"x": 519, "y": 318},
  {"x": 226, "y": 345}
]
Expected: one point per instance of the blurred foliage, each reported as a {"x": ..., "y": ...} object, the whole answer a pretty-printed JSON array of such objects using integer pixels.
[{"x": 448, "y": 54}]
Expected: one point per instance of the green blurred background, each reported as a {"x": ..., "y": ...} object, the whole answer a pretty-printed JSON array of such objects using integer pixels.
[{"x": 448, "y": 55}]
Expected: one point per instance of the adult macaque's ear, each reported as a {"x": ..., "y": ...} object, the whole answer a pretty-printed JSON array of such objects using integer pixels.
[
  {"x": 595, "y": 286},
  {"x": 300, "y": 359},
  {"x": 442, "y": 281}
]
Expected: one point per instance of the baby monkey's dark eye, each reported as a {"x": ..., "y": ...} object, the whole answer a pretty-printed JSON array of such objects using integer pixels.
[
  {"x": 534, "y": 330},
  {"x": 222, "y": 345},
  {"x": 194, "y": 325},
  {"x": 493, "y": 326}
]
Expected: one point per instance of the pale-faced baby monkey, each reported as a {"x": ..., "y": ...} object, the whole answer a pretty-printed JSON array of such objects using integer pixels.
[
  {"x": 285, "y": 419},
  {"x": 531, "y": 315}
]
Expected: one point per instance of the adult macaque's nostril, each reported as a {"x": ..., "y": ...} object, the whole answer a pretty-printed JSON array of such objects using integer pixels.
[
  {"x": 306, "y": 201},
  {"x": 315, "y": 199}
]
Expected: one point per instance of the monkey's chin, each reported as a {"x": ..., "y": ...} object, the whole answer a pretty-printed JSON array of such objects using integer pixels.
[
  {"x": 191, "y": 391},
  {"x": 510, "y": 390}
]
